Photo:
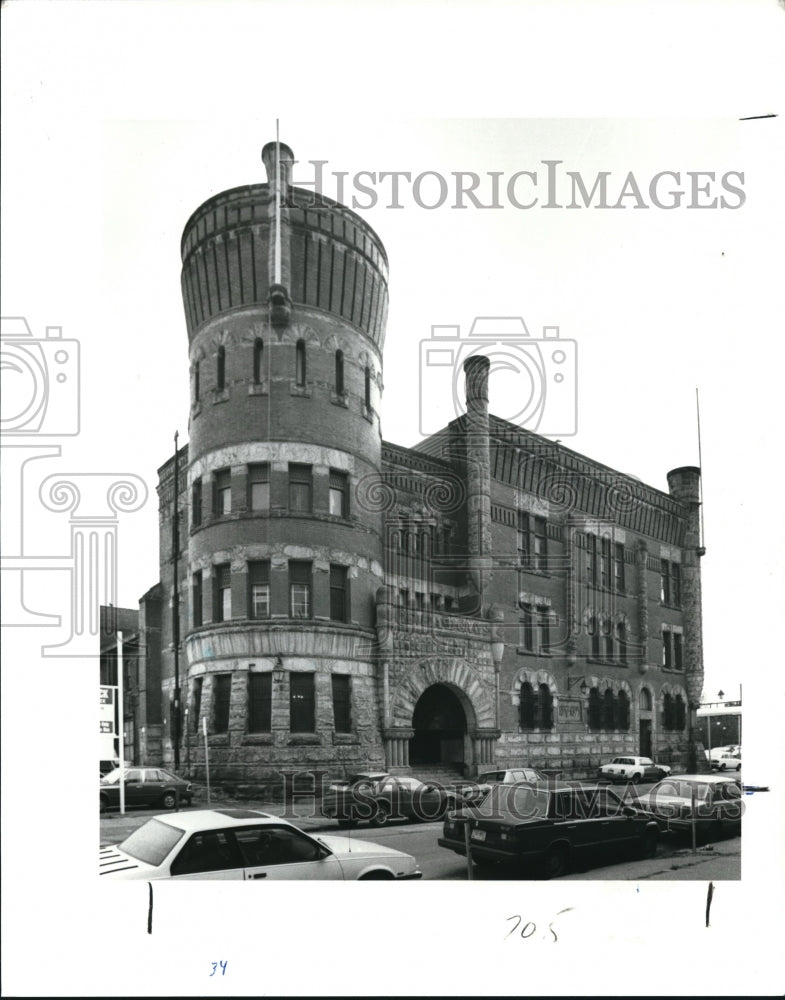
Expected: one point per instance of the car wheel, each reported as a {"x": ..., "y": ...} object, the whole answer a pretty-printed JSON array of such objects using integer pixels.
[
  {"x": 722, "y": 767},
  {"x": 168, "y": 800},
  {"x": 556, "y": 862},
  {"x": 382, "y": 816},
  {"x": 636, "y": 778},
  {"x": 649, "y": 842},
  {"x": 346, "y": 824},
  {"x": 376, "y": 877},
  {"x": 739, "y": 767}
]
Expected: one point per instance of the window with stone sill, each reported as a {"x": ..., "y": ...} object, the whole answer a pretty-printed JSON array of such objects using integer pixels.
[
  {"x": 532, "y": 542},
  {"x": 670, "y": 583},
  {"x": 222, "y": 686}
]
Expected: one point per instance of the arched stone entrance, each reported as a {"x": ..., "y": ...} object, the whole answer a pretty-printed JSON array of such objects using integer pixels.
[{"x": 440, "y": 727}]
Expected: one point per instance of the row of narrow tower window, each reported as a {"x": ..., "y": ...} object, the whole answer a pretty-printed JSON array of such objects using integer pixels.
[
  {"x": 259, "y": 699},
  {"x": 299, "y": 370},
  {"x": 258, "y": 598},
  {"x": 609, "y": 711},
  {"x": 300, "y": 492}
]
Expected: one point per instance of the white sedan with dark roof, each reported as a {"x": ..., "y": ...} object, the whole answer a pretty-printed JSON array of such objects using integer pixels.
[
  {"x": 633, "y": 769},
  {"x": 243, "y": 844}
]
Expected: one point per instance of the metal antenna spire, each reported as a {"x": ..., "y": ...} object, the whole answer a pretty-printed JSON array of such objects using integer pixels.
[
  {"x": 277, "y": 279},
  {"x": 700, "y": 463}
]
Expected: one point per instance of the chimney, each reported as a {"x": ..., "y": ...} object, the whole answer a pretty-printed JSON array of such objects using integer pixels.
[{"x": 478, "y": 473}]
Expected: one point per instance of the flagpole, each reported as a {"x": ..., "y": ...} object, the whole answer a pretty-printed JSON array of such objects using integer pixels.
[{"x": 121, "y": 723}]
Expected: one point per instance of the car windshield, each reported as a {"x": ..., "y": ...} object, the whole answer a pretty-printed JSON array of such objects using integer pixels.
[
  {"x": 515, "y": 802},
  {"x": 492, "y": 776},
  {"x": 680, "y": 789},
  {"x": 151, "y": 842}
]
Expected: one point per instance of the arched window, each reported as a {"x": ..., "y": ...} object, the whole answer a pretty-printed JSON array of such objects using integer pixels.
[
  {"x": 645, "y": 700},
  {"x": 527, "y": 706},
  {"x": 594, "y": 632},
  {"x": 299, "y": 368},
  {"x": 622, "y": 711},
  {"x": 595, "y": 718},
  {"x": 220, "y": 369},
  {"x": 367, "y": 388},
  {"x": 608, "y": 706},
  {"x": 621, "y": 640},
  {"x": 667, "y": 711},
  {"x": 258, "y": 359},
  {"x": 197, "y": 387},
  {"x": 339, "y": 387},
  {"x": 679, "y": 713},
  {"x": 545, "y": 707}
]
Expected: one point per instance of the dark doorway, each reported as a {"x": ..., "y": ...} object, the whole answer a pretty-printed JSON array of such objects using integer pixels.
[
  {"x": 439, "y": 724},
  {"x": 645, "y": 740}
]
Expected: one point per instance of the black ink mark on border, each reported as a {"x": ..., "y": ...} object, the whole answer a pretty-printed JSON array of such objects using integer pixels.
[
  {"x": 708, "y": 901},
  {"x": 150, "y": 910}
]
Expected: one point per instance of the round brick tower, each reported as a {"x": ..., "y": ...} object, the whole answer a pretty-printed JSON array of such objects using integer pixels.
[{"x": 285, "y": 296}]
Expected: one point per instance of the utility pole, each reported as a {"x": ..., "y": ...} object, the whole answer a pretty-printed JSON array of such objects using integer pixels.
[{"x": 176, "y": 611}]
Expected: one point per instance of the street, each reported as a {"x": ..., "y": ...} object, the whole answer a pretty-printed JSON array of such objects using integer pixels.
[{"x": 674, "y": 858}]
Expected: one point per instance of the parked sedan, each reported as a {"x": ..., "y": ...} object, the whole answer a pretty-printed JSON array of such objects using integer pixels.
[
  {"x": 727, "y": 762},
  {"x": 633, "y": 769},
  {"x": 718, "y": 805},
  {"x": 145, "y": 786},
  {"x": 548, "y": 824},
  {"x": 512, "y": 776},
  {"x": 246, "y": 845},
  {"x": 378, "y": 799}
]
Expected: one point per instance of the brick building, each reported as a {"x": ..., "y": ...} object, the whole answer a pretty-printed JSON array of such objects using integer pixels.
[{"x": 489, "y": 597}]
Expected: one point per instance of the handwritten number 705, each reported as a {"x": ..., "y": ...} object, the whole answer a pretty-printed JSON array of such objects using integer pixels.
[
  {"x": 530, "y": 928},
  {"x": 222, "y": 965}
]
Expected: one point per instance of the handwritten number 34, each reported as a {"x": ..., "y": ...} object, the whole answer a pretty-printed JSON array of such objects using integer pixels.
[{"x": 223, "y": 967}]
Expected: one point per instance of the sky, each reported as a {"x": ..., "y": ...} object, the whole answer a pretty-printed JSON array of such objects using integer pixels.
[{"x": 120, "y": 119}]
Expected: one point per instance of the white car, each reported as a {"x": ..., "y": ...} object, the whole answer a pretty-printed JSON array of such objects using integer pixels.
[
  {"x": 727, "y": 762},
  {"x": 243, "y": 844},
  {"x": 633, "y": 769}
]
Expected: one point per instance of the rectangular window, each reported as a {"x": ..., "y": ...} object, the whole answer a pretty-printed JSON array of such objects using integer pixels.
[
  {"x": 197, "y": 703},
  {"x": 302, "y": 708},
  {"x": 260, "y": 704},
  {"x": 339, "y": 604},
  {"x": 618, "y": 567},
  {"x": 436, "y": 602},
  {"x": 300, "y": 589},
  {"x": 259, "y": 589},
  {"x": 222, "y": 593},
  {"x": 196, "y": 503},
  {"x": 605, "y": 563},
  {"x": 677, "y": 651},
  {"x": 197, "y": 599},
  {"x": 222, "y": 493},
  {"x": 540, "y": 543},
  {"x": 259, "y": 487},
  {"x": 676, "y": 583},
  {"x": 665, "y": 582},
  {"x": 591, "y": 559},
  {"x": 527, "y": 628},
  {"x": 342, "y": 702},
  {"x": 222, "y": 689},
  {"x": 339, "y": 494},
  {"x": 544, "y": 626},
  {"x": 523, "y": 538},
  {"x": 300, "y": 488},
  {"x": 667, "y": 660}
]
